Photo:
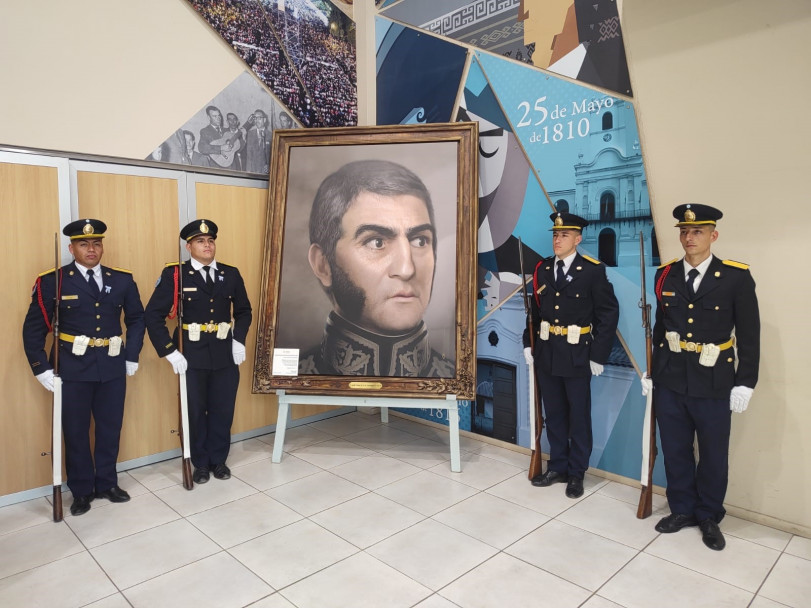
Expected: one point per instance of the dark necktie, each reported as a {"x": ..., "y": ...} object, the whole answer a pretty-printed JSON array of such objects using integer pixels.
[
  {"x": 206, "y": 278},
  {"x": 691, "y": 278},
  {"x": 560, "y": 277},
  {"x": 91, "y": 281}
]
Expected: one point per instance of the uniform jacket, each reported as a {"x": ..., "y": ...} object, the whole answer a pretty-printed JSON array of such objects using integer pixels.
[
  {"x": 725, "y": 301},
  {"x": 81, "y": 313},
  {"x": 349, "y": 350},
  {"x": 586, "y": 300},
  {"x": 225, "y": 301}
]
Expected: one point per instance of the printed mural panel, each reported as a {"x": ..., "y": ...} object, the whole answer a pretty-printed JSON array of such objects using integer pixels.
[
  {"x": 547, "y": 143},
  {"x": 320, "y": 41},
  {"x": 581, "y": 39},
  {"x": 233, "y": 131},
  {"x": 303, "y": 52},
  {"x": 507, "y": 185},
  {"x": 407, "y": 92}
]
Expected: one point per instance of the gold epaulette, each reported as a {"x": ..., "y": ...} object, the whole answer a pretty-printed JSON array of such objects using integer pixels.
[
  {"x": 121, "y": 269},
  {"x": 735, "y": 264},
  {"x": 171, "y": 264},
  {"x": 670, "y": 262},
  {"x": 49, "y": 271},
  {"x": 590, "y": 259}
]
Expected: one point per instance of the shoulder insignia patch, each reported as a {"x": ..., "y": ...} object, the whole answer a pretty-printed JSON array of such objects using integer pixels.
[
  {"x": 122, "y": 270},
  {"x": 49, "y": 271},
  {"x": 735, "y": 264},
  {"x": 670, "y": 262},
  {"x": 168, "y": 264},
  {"x": 590, "y": 259}
]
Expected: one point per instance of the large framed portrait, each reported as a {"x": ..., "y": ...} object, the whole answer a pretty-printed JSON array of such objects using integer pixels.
[{"x": 370, "y": 258}]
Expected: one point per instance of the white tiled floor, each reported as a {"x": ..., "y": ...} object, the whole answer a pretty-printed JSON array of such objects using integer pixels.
[{"x": 360, "y": 514}]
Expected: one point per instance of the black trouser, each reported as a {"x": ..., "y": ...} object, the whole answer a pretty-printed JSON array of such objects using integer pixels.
[
  {"x": 567, "y": 405},
  {"x": 105, "y": 400},
  {"x": 694, "y": 489},
  {"x": 212, "y": 396}
]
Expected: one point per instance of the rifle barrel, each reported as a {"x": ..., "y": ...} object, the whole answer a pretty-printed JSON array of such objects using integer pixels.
[{"x": 56, "y": 412}]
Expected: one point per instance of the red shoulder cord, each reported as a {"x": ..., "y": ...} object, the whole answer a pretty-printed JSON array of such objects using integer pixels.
[
  {"x": 661, "y": 282},
  {"x": 42, "y": 304},
  {"x": 535, "y": 283},
  {"x": 173, "y": 312}
]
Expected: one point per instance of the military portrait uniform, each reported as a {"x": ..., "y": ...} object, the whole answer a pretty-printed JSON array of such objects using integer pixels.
[
  {"x": 349, "y": 350},
  {"x": 697, "y": 377},
  {"x": 575, "y": 314},
  {"x": 216, "y": 315},
  {"x": 94, "y": 360}
]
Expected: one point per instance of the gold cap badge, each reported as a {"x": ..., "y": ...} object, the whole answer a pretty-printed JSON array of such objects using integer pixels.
[
  {"x": 203, "y": 228},
  {"x": 689, "y": 216},
  {"x": 558, "y": 220},
  {"x": 87, "y": 229}
]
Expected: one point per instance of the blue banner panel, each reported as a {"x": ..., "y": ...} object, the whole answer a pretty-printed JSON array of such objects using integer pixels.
[{"x": 418, "y": 76}]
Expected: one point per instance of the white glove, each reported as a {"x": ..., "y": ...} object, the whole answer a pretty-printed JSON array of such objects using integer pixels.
[
  {"x": 739, "y": 398},
  {"x": 238, "y": 351},
  {"x": 528, "y": 355},
  {"x": 131, "y": 368},
  {"x": 178, "y": 361},
  {"x": 647, "y": 384},
  {"x": 596, "y": 368},
  {"x": 46, "y": 379}
]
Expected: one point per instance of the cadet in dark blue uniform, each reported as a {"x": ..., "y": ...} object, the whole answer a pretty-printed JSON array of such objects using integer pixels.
[
  {"x": 93, "y": 360},
  {"x": 701, "y": 300},
  {"x": 213, "y": 343},
  {"x": 575, "y": 313}
]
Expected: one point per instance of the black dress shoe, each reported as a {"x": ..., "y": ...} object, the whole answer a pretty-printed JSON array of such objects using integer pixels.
[
  {"x": 675, "y": 522},
  {"x": 81, "y": 505},
  {"x": 548, "y": 478},
  {"x": 574, "y": 489},
  {"x": 200, "y": 475},
  {"x": 114, "y": 494},
  {"x": 221, "y": 471},
  {"x": 711, "y": 535}
]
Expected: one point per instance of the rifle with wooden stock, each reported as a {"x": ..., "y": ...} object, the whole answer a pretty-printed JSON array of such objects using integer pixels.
[
  {"x": 536, "y": 461},
  {"x": 645, "y": 506},
  {"x": 56, "y": 418},
  {"x": 183, "y": 399}
]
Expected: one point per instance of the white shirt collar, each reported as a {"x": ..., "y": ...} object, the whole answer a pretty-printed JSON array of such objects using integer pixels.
[
  {"x": 702, "y": 268},
  {"x": 567, "y": 261},
  {"x": 198, "y": 265},
  {"x": 83, "y": 269}
]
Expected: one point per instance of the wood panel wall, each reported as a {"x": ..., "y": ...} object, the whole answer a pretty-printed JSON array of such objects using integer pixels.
[
  {"x": 240, "y": 216},
  {"x": 141, "y": 214},
  {"x": 30, "y": 199}
]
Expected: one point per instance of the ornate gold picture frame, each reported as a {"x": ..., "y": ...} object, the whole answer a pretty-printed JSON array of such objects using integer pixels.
[{"x": 370, "y": 258}]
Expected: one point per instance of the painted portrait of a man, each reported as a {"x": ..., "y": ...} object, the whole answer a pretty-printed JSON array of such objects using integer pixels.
[{"x": 372, "y": 292}]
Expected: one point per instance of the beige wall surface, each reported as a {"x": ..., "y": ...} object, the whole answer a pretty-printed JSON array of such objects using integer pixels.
[
  {"x": 720, "y": 89},
  {"x": 111, "y": 77}
]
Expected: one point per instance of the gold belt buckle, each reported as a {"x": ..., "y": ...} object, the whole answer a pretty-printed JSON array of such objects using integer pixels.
[
  {"x": 98, "y": 341},
  {"x": 691, "y": 347},
  {"x": 211, "y": 327},
  {"x": 557, "y": 330}
]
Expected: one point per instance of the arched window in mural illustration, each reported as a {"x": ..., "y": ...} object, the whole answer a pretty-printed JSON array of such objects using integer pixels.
[
  {"x": 607, "y": 247},
  {"x": 607, "y": 204},
  {"x": 654, "y": 249},
  {"x": 608, "y": 121},
  {"x": 562, "y": 205},
  {"x": 496, "y": 409}
]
